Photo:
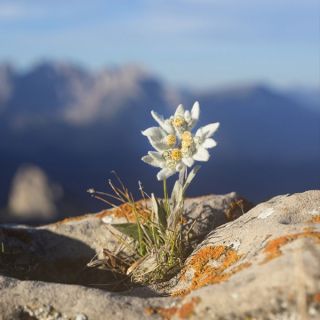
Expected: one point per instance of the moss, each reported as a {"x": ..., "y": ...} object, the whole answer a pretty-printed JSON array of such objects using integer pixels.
[
  {"x": 273, "y": 247},
  {"x": 205, "y": 273},
  {"x": 182, "y": 312}
]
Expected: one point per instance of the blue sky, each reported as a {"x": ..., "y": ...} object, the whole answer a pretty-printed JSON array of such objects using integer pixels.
[{"x": 199, "y": 43}]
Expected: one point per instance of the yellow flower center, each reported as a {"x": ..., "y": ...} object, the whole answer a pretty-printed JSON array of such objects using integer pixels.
[
  {"x": 187, "y": 139},
  {"x": 186, "y": 144},
  {"x": 186, "y": 135},
  {"x": 178, "y": 122},
  {"x": 171, "y": 140},
  {"x": 176, "y": 154}
]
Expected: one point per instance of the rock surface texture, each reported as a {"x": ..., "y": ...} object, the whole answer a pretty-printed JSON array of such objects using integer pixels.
[{"x": 263, "y": 264}]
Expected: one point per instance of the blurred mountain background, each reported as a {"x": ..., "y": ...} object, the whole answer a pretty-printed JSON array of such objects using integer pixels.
[
  {"x": 78, "y": 80},
  {"x": 64, "y": 129}
]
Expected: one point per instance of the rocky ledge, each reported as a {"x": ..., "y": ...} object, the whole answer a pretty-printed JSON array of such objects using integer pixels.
[{"x": 249, "y": 263}]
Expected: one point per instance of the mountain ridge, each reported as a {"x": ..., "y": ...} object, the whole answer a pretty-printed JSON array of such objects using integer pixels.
[{"x": 78, "y": 125}]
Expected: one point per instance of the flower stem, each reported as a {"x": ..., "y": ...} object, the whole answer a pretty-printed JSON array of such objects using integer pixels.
[{"x": 165, "y": 196}]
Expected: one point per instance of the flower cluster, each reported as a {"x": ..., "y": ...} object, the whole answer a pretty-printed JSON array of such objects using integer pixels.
[{"x": 176, "y": 146}]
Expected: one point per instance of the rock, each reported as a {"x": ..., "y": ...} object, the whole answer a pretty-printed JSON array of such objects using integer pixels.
[
  {"x": 40, "y": 300},
  {"x": 43, "y": 252},
  {"x": 263, "y": 265},
  {"x": 265, "y": 262},
  {"x": 32, "y": 194}
]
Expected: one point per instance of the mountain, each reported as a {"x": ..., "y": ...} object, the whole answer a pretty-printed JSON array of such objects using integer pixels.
[
  {"x": 78, "y": 125},
  {"x": 309, "y": 97}
]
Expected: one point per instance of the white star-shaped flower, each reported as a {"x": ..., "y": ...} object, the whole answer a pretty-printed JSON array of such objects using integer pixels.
[{"x": 176, "y": 147}]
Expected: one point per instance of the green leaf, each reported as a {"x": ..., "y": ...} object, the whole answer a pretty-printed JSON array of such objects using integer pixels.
[
  {"x": 176, "y": 194},
  {"x": 162, "y": 213},
  {"x": 129, "y": 229},
  {"x": 159, "y": 211}
]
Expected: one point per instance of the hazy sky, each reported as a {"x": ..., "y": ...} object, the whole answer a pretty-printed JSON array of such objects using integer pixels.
[{"x": 188, "y": 42}]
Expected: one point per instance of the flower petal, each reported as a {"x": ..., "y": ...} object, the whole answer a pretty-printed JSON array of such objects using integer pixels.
[
  {"x": 188, "y": 161},
  {"x": 208, "y": 130},
  {"x": 202, "y": 154},
  {"x": 158, "y": 145},
  {"x": 164, "y": 124},
  {"x": 156, "y": 155},
  {"x": 155, "y": 133},
  {"x": 165, "y": 173},
  {"x": 149, "y": 160},
  {"x": 179, "y": 111},
  {"x": 187, "y": 116},
  {"x": 195, "y": 111},
  {"x": 168, "y": 127},
  {"x": 209, "y": 143},
  {"x": 157, "y": 117}
]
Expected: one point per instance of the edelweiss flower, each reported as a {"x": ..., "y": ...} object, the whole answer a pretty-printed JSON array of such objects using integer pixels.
[
  {"x": 176, "y": 147},
  {"x": 182, "y": 120}
]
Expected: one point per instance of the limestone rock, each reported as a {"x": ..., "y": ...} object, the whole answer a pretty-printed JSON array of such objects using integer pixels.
[
  {"x": 59, "y": 252},
  {"x": 263, "y": 265},
  {"x": 32, "y": 194},
  {"x": 265, "y": 262}
]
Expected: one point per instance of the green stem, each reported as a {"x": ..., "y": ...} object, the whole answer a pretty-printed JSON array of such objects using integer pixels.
[{"x": 165, "y": 196}]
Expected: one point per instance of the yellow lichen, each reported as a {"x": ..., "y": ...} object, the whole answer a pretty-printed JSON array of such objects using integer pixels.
[{"x": 273, "y": 247}]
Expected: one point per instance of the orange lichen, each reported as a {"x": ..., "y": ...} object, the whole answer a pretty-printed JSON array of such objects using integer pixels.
[
  {"x": 165, "y": 313},
  {"x": 182, "y": 312},
  {"x": 187, "y": 309},
  {"x": 316, "y": 297},
  {"x": 204, "y": 271},
  {"x": 273, "y": 247},
  {"x": 315, "y": 219},
  {"x": 127, "y": 211}
]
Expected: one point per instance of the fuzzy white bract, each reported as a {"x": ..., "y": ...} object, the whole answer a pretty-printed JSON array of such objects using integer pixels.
[{"x": 176, "y": 147}]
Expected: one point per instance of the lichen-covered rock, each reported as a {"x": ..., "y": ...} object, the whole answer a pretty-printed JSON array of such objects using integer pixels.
[
  {"x": 263, "y": 265},
  {"x": 59, "y": 252},
  {"x": 265, "y": 261}
]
